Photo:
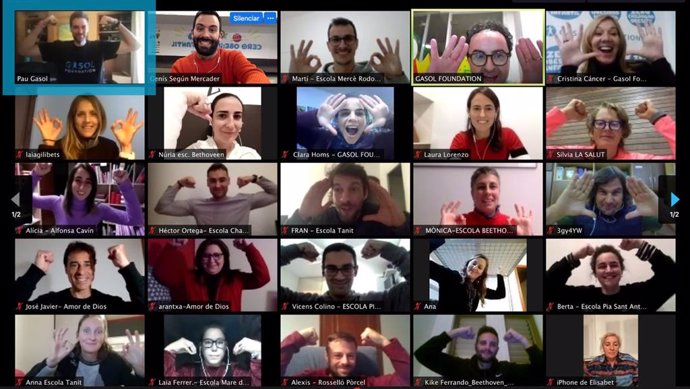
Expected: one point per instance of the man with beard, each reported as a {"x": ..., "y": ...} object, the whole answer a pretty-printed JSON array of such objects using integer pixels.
[
  {"x": 342, "y": 44},
  {"x": 361, "y": 123},
  {"x": 607, "y": 203},
  {"x": 339, "y": 268},
  {"x": 220, "y": 209},
  {"x": 79, "y": 61},
  {"x": 483, "y": 365},
  {"x": 209, "y": 58},
  {"x": 341, "y": 355},
  {"x": 80, "y": 266},
  {"x": 355, "y": 201}
]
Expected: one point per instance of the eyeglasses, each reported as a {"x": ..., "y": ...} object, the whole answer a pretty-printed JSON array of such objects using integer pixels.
[
  {"x": 214, "y": 256},
  {"x": 347, "y": 270},
  {"x": 614, "y": 125},
  {"x": 499, "y": 58},
  {"x": 348, "y": 39},
  {"x": 208, "y": 343}
]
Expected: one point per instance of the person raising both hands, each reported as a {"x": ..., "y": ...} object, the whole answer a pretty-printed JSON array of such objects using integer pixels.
[
  {"x": 78, "y": 206},
  {"x": 356, "y": 201},
  {"x": 86, "y": 123},
  {"x": 91, "y": 357},
  {"x": 488, "y": 46},
  {"x": 342, "y": 44},
  {"x": 607, "y": 203},
  {"x": 486, "y": 192},
  {"x": 346, "y": 122},
  {"x": 601, "y": 49},
  {"x": 608, "y": 126}
]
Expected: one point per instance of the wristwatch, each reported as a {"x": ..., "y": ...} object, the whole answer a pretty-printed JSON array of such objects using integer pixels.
[{"x": 255, "y": 178}]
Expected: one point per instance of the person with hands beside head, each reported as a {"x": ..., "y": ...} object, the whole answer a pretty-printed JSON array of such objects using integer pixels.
[
  {"x": 607, "y": 203},
  {"x": 488, "y": 46},
  {"x": 345, "y": 122},
  {"x": 601, "y": 49},
  {"x": 339, "y": 268},
  {"x": 80, "y": 267},
  {"x": 91, "y": 357},
  {"x": 214, "y": 356},
  {"x": 86, "y": 123},
  {"x": 342, "y": 44},
  {"x": 219, "y": 209},
  {"x": 211, "y": 279},
  {"x": 483, "y": 364},
  {"x": 484, "y": 132},
  {"x": 461, "y": 291},
  {"x": 486, "y": 192},
  {"x": 341, "y": 355},
  {"x": 357, "y": 201},
  {"x": 78, "y": 207},
  {"x": 79, "y": 61},
  {"x": 224, "y": 116},
  {"x": 607, "y": 266},
  {"x": 208, "y": 58},
  {"x": 608, "y": 127}
]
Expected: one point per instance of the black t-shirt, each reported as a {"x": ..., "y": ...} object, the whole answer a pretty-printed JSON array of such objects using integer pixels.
[{"x": 78, "y": 65}]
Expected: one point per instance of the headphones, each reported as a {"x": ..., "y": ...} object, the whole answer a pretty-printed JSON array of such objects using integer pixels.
[{"x": 596, "y": 211}]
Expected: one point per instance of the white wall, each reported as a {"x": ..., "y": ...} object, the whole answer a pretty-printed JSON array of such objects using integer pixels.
[
  {"x": 296, "y": 26},
  {"x": 395, "y": 326},
  {"x": 521, "y": 110},
  {"x": 115, "y": 109},
  {"x": 106, "y": 277},
  {"x": 264, "y": 298},
  {"x": 161, "y": 175},
  {"x": 506, "y": 303},
  {"x": 425, "y": 327},
  {"x": 39, "y": 329},
  {"x": 307, "y": 174},
  {"x": 436, "y": 184},
  {"x": 636, "y": 270},
  {"x": 291, "y": 323}
]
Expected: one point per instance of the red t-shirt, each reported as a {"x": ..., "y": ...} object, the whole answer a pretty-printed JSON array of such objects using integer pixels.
[
  {"x": 234, "y": 66},
  {"x": 512, "y": 146},
  {"x": 475, "y": 218}
]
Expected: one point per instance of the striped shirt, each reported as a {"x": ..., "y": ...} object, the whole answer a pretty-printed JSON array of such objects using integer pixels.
[{"x": 624, "y": 370}]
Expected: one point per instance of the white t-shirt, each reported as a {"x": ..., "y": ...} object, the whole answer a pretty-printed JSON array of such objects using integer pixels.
[{"x": 238, "y": 152}]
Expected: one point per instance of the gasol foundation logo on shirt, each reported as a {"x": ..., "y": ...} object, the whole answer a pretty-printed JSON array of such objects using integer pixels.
[{"x": 80, "y": 67}]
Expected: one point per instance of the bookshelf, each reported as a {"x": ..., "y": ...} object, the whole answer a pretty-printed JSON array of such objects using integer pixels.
[{"x": 108, "y": 192}]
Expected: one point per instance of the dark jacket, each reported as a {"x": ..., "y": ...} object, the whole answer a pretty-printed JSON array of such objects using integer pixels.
[
  {"x": 106, "y": 149},
  {"x": 649, "y": 295},
  {"x": 431, "y": 355},
  {"x": 134, "y": 281},
  {"x": 396, "y": 299},
  {"x": 114, "y": 370},
  {"x": 657, "y": 73}
]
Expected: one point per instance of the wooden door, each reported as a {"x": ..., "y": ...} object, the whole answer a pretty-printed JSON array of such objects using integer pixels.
[{"x": 352, "y": 324}]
